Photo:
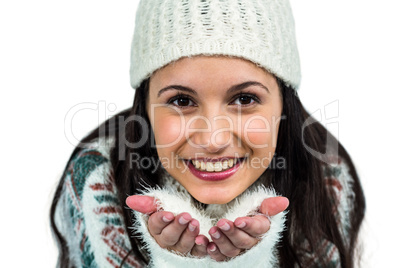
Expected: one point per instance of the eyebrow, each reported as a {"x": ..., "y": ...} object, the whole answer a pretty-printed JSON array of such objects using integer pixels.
[{"x": 231, "y": 90}]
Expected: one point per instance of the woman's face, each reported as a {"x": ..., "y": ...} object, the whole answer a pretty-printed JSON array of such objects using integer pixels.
[{"x": 215, "y": 121}]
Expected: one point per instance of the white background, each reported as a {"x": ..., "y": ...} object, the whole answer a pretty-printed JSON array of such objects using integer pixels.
[{"x": 57, "y": 54}]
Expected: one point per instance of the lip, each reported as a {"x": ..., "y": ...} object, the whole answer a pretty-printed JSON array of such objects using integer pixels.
[
  {"x": 207, "y": 159},
  {"x": 214, "y": 176}
]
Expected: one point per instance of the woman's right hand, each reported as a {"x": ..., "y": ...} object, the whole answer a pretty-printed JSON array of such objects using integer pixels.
[{"x": 177, "y": 233}]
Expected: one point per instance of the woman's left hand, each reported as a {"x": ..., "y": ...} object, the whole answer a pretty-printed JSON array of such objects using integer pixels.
[{"x": 231, "y": 238}]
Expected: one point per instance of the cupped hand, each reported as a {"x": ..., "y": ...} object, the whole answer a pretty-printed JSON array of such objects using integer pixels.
[
  {"x": 231, "y": 238},
  {"x": 177, "y": 233}
]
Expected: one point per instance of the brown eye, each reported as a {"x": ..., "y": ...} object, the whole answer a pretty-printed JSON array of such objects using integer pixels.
[
  {"x": 181, "y": 101},
  {"x": 244, "y": 100}
]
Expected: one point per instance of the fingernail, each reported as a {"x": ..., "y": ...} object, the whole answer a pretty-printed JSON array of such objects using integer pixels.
[
  {"x": 199, "y": 242},
  {"x": 212, "y": 248},
  {"x": 191, "y": 227},
  {"x": 241, "y": 225},
  {"x": 183, "y": 221},
  {"x": 225, "y": 227},
  {"x": 165, "y": 219},
  {"x": 216, "y": 235}
]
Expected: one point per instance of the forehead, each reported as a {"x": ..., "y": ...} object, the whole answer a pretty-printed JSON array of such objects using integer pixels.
[{"x": 208, "y": 71}]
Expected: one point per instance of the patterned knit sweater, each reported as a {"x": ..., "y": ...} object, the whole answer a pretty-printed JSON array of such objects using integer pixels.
[{"x": 90, "y": 218}]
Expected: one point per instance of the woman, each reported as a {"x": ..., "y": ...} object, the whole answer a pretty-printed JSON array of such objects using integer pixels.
[{"x": 215, "y": 134}]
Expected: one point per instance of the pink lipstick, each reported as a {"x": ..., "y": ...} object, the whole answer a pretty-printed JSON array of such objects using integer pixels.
[{"x": 214, "y": 176}]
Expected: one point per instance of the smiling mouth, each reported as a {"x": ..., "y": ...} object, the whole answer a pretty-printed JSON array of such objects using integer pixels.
[
  {"x": 214, "y": 169},
  {"x": 215, "y": 166}
]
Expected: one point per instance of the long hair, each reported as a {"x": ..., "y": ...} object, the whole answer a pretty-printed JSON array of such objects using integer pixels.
[{"x": 302, "y": 181}]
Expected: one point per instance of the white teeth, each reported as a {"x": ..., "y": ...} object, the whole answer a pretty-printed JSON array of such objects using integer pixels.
[
  {"x": 210, "y": 166},
  {"x": 202, "y": 166},
  {"x": 230, "y": 163},
  {"x": 213, "y": 166},
  {"x": 225, "y": 164},
  {"x": 218, "y": 166}
]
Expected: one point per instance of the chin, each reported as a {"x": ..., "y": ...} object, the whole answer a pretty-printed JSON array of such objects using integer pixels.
[{"x": 212, "y": 198}]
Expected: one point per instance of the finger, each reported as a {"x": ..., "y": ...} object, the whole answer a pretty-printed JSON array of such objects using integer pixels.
[
  {"x": 142, "y": 203},
  {"x": 158, "y": 221},
  {"x": 187, "y": 239},
  {"x": 223, "y": 243},
  {"x": 171, "y": 234},
  {"x": 200, "y": 247},
  {"x": 239, "y": 238},
  {"x": 274, "y": 205},
  {"x": 214, "y": 252},
  {"x": 254, "y": 226}
]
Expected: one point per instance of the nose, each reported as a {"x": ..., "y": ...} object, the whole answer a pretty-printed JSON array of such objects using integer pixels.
[{"x": 212, "y": 133}]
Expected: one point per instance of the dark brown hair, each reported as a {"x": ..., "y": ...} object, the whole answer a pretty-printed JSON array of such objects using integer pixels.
[{"x": 302, "y": 181}]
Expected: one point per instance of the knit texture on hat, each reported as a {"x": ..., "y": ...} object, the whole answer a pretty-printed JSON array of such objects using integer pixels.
[{"x": 261, "y": 31}]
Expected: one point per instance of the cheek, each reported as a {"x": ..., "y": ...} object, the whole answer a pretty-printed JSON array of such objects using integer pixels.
[
  {"x": 167, "y": 129},
  {"x": 259, "y": 131}
]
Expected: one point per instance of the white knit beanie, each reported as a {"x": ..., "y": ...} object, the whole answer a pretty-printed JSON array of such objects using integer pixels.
[{"x": 261, "y": 31}]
